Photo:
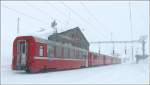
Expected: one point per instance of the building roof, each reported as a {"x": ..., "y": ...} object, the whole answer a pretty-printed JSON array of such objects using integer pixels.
[{"x": 70, "y": 35}]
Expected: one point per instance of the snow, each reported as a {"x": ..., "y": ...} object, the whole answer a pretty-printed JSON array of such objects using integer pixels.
[
  {"x": 111, "y": 74},
  {"x": 118, "y": 24}
]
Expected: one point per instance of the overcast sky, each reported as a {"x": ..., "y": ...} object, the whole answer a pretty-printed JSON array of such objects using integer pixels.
[{"x": 97, "y": 19}]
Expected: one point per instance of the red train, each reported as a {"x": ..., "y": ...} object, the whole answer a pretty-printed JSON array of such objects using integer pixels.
[{"x": 34, "y": 54}]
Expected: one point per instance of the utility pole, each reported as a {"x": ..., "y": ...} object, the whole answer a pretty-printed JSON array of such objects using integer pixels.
[
  {"x": 125, "y": 49},
  {"x": 131, "y": 29},
  {"x": 143, "y": 48},
  {"x": 142, "y": 40},
  {"x": 99, "y": 49},
  {"x": 113, "y": 48},
  {"x": 18, "y": 20}
]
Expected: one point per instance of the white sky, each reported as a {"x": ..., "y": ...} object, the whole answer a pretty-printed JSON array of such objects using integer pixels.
[{"x": 111, "y": 16}]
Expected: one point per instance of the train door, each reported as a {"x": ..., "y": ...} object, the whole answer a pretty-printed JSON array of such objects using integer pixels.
[{"x": 21, "y": 53}]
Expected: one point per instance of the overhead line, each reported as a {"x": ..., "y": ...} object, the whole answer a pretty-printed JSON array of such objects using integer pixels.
[
  {"x": 36, "y": 19},
  {"x": 61, "y": 12},
  {"x": 100, "y": 42},
  {"x": 50, "y": 4},
  {"x": 74, "y": 12},
  {"x": 90, "y": 13},
  {"x": 26, "y": 15},
  {"x": 41, "y": 11},
  {"x": 80, "y": 17}
]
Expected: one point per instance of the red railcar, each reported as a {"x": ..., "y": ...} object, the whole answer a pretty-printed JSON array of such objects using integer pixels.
[
  {"x": 95, "y": 59},
  {"x": 116, "y": 60},
  {"x": 34, "y": 54},
  {"x": 107, "y": 60}
]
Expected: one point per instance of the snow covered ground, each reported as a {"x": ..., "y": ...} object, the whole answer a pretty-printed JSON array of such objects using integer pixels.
[
  {"x": 116, "y": 74},
  {"x": 116, "y": 23}
]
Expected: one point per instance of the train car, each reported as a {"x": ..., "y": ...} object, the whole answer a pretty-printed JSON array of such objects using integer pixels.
[
  {"x": 118, "y": 60},
  {"x": 107, "y": 60},
  {"x": 34, "y": 54},
  {"x": 94, "y": 59},
  {"x": 100, "y": 59},
  {"x": 114, "y": 60}
]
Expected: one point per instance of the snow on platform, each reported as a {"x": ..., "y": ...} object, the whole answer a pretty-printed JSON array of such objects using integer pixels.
[{"x": 112, "y": 74}]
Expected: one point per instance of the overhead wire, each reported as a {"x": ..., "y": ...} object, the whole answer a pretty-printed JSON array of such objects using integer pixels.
[
  {"x": 28, "y": 16},
  {"x": 59, "y": 11},
  {"x": 42, "y": 11},
  {"x": 74, "y": 12},
  {"x": 46, "y": 13},
  {"x": 91, "y": 14},
  {"x": 83, "y": 19},
  {"x": 94, "y": 18},
  {"x": 80, "y": 17},
  {"x": 24, "y": 14}
]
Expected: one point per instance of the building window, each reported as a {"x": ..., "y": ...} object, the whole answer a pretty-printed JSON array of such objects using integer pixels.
[{"x": 41, "y": 51}]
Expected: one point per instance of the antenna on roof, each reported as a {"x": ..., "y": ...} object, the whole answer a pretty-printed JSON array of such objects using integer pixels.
[{"x": 53, "y": 25}]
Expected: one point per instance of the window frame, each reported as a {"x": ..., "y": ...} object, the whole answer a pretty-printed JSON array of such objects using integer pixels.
[{"x": 42, "y": 50}]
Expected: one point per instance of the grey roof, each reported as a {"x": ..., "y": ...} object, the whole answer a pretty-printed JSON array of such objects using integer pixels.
[{"x": 65, "y": 35}]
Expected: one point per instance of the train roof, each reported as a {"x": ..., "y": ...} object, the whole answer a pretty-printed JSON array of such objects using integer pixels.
[
  {"x": 101, "y": 54},
  {"x": 41, "y": 40}
]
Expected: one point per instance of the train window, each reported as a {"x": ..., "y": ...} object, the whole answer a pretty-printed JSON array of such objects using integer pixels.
[
  {"x": 76, "y": 54},
  {"x": 84, "y": 55},
  {"x": 22, "y": 47},
  {"x": 62, "y": 52},
  {"x": 69, "y": 54},
  {"x": 50, "y": 51},
  {"x": 41, "y": 50},
  {"x": 65, "y": 52},
  {"x": 72, "y": 53},
  {"x": 58, "y": 51},
  {"x": 79, "y": 55}
]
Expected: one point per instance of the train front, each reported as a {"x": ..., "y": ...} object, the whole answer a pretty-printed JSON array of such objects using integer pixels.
[{"x": 22, "y": 55}]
